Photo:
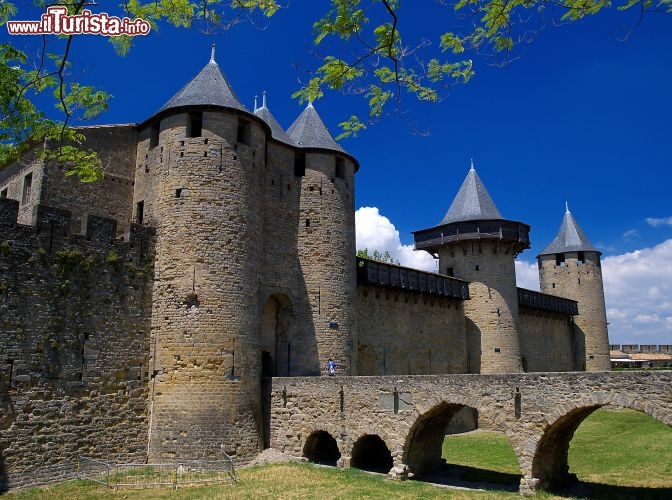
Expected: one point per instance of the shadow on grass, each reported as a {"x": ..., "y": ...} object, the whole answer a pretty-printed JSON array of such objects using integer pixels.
[
  {"x": 601, "y": 491},
  {"x": 473, "y": 477}
]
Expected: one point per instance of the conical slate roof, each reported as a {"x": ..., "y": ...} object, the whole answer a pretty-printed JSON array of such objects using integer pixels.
[
  {"x": 570, "y": 238},
  {"x": 277, "y": 132},
  {"x": 472, "y": 202},
  {"x": 309, "y": 131},
  {"x": 208, "y": 88}
]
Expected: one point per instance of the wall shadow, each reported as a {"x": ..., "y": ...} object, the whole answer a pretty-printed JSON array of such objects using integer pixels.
[{"x": 4, "y": 481}]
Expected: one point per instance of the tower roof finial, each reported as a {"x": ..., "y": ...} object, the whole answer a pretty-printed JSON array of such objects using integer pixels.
[
  {"x": 472, "y": 165},
  {"x": 255, "y": 103},
  {"x": 212, "y": 53},
  {"x": 263, "y": 99},
  {"x": 566, "y": 207}
]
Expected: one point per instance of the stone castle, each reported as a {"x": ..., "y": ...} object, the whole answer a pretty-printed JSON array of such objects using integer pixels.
[{"x": 141, "y": 315}]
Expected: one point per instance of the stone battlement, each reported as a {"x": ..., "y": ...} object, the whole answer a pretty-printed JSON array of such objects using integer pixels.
[{"x": 52, "y": 232}]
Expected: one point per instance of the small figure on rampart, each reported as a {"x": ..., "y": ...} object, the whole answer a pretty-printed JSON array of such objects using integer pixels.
[{"x": 331, "y": 367}]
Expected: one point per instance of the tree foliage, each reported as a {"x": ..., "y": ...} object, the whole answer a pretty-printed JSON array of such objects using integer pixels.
[
  {"x": 361, "y": 45},
  {"x": 378, "y": 255}
]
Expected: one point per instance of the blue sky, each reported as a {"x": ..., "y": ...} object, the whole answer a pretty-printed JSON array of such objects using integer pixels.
[{"x": 581, "y": 117}]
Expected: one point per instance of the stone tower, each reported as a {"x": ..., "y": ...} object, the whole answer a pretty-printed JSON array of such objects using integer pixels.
[
  {"x": 326, "y": 239},
  {"x": 197, "y": 182},
  {"x": 255, "y": 263},
  {"x": 570, "y": 267},
  {"x": 474, "y": 243}
]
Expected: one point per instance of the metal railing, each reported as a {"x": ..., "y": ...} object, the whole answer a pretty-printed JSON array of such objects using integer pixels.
[{"x": 174, "y": 474}]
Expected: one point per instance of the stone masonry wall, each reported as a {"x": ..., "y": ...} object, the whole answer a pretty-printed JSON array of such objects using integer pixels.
[
  {"x": 110, "y": 197},
  {"x": 582, "y": 281},
  {"x": 492, "y": 312},
  {"x": 206, "y": 356},
  {"x": 74, "y": 344},
  {"x": 14, "y": 185},
  {"x": 537, "y": 412},
  {"x": 326, "y": 249},
  {"x": 400, "y": 332},
  {"x": 295, "y": 350},
  {"x": 547, "y": 342}
]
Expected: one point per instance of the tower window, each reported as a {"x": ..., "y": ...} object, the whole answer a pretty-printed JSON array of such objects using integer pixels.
[
  {"x": 244, "y": 132},
  {"x": 450, "y": 272},
  {"x": 178, "y": 192},
  {"x": 139, "y": 212},
  {"x": 195, "y": 125},
  {"x": 27, "y": 187},
  {"x": 581, "y": 258},
  {"x": 154, "y": 136},
  {"x": 340, "y": 168},
  {"x": 3, "y": 193},
  {"x": 300, "y": 165},
  {"x": 477, "y": 267},
  {"x": 560, "y": 259}
]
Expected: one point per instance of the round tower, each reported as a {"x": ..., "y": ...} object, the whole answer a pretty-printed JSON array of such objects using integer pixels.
[
  {"x": 570, "y": 267},
  {"x": 326, "y": 239},
  {"x": 474, "y": 243},
  {"x": 197, "y": 183}
]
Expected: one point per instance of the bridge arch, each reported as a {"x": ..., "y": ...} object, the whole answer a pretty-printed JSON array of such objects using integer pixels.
[
  {"x": 550, "y": 462},
  {"x": 321, "y": 448},
  {"x": 424, "y": 443},
  {"x": 372, "y": 454}
]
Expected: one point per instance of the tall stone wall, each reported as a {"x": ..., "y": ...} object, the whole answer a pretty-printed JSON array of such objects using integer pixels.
[
  {"x": 290, "y": 345},
  {"x": 405, "y": 333},
  {"x": 74, "y": 344},
  {"x": 548, "y": 342}
]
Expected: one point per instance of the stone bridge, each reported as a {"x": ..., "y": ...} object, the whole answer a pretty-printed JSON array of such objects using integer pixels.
[{"x": 398, "y": 423}]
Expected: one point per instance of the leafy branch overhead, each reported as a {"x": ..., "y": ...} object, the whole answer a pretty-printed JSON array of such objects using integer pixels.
[{"x": 373, "y": 49}]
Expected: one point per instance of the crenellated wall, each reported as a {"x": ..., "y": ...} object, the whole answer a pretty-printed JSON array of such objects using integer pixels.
[{"x": 74, "y": 343}]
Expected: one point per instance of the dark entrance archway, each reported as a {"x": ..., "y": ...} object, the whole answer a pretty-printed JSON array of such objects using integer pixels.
[
  {"x": 274, "y": 326},
  {"x": 372, "y": 454},
  {"x": 321, "y": 448}
]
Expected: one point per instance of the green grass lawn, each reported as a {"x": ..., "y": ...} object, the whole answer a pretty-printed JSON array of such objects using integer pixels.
[
  {"x": 611, "y": 447},
  {"x": 615, "y": 454}
]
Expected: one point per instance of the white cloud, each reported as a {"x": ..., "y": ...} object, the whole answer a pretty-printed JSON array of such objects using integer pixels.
[
  {"x": 630, "y": 234},
  {"x": 376, "y": 232},
  {"x": 659, "y": 221},
  {"x": 527, "y": 275},
  {"x": 638, "y": 289},
  {"x": 637, "y": 285}
]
